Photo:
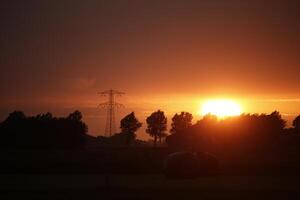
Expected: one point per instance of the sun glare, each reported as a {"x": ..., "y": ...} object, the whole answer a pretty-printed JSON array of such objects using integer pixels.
[{"x": 221, "y": 108}]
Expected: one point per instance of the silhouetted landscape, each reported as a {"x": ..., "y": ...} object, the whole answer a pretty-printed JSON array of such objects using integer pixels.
[
  {"x": 262, "y": 141},
  {"x": 248, "y": 145},
  {"x": 149, "y": 99}
]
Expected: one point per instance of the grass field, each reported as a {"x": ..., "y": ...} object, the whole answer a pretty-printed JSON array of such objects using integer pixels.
[{"x": 90, "y": 186}]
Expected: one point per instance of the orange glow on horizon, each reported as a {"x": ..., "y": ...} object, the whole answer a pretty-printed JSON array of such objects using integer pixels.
[{"x": 221, "y": 108}]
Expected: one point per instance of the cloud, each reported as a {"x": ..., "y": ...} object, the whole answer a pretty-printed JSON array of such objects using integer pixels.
[{"x": 283, "y": 100}]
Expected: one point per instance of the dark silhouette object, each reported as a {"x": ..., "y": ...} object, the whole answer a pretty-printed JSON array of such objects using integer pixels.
[
  {"x": 208, "y": 164},
  {"x": 180, "y": 139},
  {"x": 181, "y": 122},
  {"x": 208, "y": 121},
  {"x": 276, "y": 122},
  {"x": 110, "y": 105},
  {"x": 296, "y": 124},
  {"x": 44, "y": 117},
  {"x": 129, "y": 125},
  {"x": 181, "y": 165},
  {"x": 240, "y": 132},
  {"x": 15, "y": 116},
  {"x": 188, "y": 165},
  {"x": 118, "y": 140},
  {"x": 42, "y": 131},
  {"x": 75, "y": 116},
  {"x": 156, "y": 125}
]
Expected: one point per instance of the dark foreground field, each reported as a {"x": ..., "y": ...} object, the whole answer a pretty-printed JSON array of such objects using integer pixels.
[
  {"x": 91, "y": 186},
  {"x": 137, "y": 173}
]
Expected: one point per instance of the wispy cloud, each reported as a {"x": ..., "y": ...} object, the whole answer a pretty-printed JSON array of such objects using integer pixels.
[{"x": 280, "y": 100}]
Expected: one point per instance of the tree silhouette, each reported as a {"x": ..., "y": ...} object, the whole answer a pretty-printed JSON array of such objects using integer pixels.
[
  {"x": 208, "y": 120},
  {"x": 15, "y": 116},
  {"x": 296, "y": 123},
  {"x": 156, "y": 125},
  {"x": 75, "y": 116},
  {"x": 181, "y": 122},
  {"x": 242, "y": 131},
  {"x": 42, "y": 131},
  {"x": 180, "y": 127},
  {"x": 129, "y": 125},
  {"x": 44, "y": 117},
  {"x": 276, "y": 121}
]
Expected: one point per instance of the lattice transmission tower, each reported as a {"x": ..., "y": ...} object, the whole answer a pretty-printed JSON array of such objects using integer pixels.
[{"x": 110, "y": 105}]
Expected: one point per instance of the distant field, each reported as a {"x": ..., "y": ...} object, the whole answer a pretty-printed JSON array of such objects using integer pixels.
[{"x": 147, "y": 187}]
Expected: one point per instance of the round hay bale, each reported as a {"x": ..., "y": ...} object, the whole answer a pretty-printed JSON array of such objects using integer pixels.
[
  {"x": 181, "y": 165},
  {"x": 188, "y": 165},
  {"x": 208, "y": 164}
]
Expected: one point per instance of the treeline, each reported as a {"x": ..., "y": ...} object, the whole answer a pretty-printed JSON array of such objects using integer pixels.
[
  {"x": 42, "y": 131},
  {"x": 209, "y": 132},
  {"x": 47, "y": 131},
  {"x": 257, "y": 141},
  {"x": 236, "y": 133}
]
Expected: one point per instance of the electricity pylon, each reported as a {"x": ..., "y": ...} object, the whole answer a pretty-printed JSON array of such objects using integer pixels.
[{"x": 110, "y": 105}]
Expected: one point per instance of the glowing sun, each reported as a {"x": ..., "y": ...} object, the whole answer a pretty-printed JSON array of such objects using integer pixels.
[{"x": 221, "y": 108}]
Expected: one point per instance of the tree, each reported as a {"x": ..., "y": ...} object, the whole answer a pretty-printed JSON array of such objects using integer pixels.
[
  {"x": 296, "y": 123},
  {"x": 277, "y": 122},
  {"x": 156, "y": 125},
  {"x": 43, "y": 131},
  {"x": 208, "y": 120},
  {"x": 15, "y": 116},
  {"x": 75, "y": 116},
  {"x": 129, "y": 125},
  {"x": 181, "y": 122}
]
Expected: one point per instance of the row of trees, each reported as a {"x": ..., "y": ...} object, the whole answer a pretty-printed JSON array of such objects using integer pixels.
[
  {"x": 157, "y": 125},
  {"x": 42, "y": 131},
  {"x": 250, "y": 126},
  {"x": 46, "y": 131}
]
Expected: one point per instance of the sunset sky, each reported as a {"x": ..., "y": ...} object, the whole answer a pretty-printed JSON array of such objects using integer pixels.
[{"x": 170, "y": 55}]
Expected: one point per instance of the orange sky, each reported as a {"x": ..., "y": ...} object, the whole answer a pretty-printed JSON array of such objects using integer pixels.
[{"x": 168, "y": 55}]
